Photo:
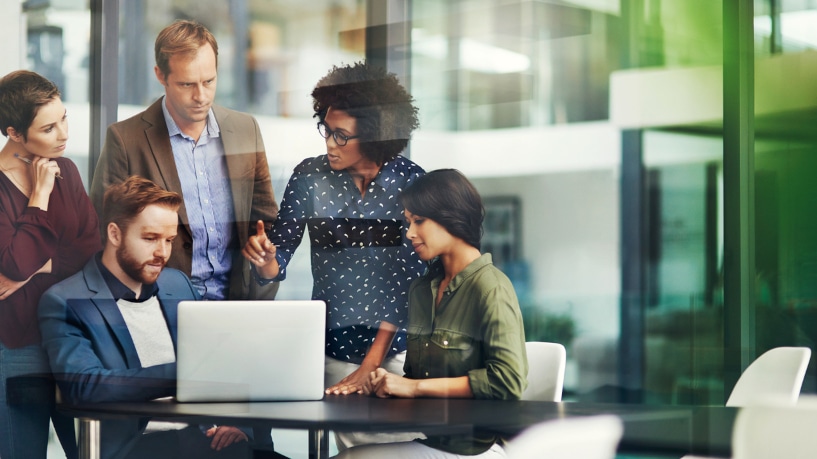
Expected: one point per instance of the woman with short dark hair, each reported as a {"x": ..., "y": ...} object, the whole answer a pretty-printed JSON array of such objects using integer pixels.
[{"x": 48, "y": 230}]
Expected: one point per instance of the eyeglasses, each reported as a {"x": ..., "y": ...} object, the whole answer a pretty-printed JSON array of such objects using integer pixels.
[{"x": 340, "y": 139}]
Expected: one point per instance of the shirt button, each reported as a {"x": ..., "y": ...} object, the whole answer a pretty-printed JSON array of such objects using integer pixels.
[
  {"x": 426, "y": 374},
  {"x": 445, "y": 342},
  {"x": 207, "y": 201},
  {"x": 426, "y": 344}
]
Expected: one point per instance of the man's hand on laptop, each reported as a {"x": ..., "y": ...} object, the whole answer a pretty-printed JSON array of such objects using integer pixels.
[{"x": 224, "y": 436}]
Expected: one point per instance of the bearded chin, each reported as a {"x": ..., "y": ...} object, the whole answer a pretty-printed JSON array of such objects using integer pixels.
[
  {"x": 134, "y": 269},
  {"x": 146, "y": 278}
]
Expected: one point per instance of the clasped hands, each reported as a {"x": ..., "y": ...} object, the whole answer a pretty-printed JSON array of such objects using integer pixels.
[{"x": 379, "y": 383}]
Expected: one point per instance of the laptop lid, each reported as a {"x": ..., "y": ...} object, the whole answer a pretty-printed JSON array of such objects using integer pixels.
[{"x": 250, "y": 350}]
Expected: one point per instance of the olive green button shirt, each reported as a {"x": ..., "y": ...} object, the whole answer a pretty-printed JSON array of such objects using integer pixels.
[{"x": 475, "y": 331}]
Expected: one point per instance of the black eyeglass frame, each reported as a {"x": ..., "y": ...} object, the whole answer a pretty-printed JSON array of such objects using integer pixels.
[{"x": 340, "y": 138}]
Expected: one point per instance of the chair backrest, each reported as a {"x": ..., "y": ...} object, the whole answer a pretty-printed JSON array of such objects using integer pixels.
[
  {"x": 778, "y": 373},
  {"x": 591, "y": 437},
  {"x": 546, "y": 371},
  {"x": 776, "y": 432}
]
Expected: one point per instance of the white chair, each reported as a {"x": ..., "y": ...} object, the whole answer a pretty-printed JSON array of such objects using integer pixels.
[
  {"x": 778, "y": 373},
  {"x": 774, "y": 377},
  {"x": 591, "y": 437},
  {"x": 776, "y": 432},
  {"x": 546, "y": 371}
]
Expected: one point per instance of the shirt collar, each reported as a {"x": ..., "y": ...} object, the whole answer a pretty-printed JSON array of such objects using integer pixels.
[
  {"x": 484, "y": 260},
  {"x": 212, "y": 128},
  {"x": 119, "y": 290}
]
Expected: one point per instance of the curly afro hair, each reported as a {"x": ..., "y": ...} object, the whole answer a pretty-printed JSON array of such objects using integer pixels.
[{"x": 382, "y": 107}]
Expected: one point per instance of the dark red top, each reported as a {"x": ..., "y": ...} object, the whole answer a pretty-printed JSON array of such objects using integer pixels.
[{"x": 68, "y": 234}]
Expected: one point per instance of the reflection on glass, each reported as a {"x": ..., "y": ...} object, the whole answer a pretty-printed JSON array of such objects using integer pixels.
[
  {"x": 544, "y": 104},
  {"x": 530, "y": 99}
]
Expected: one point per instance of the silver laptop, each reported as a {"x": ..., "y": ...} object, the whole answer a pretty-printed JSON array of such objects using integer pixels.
[{"x": 250, "y": 351}]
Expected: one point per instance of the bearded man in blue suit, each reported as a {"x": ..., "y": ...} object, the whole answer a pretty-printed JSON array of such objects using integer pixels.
[{"x": 110, "y": 330}]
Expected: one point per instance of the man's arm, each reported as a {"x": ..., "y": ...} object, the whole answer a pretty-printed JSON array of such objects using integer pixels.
[
  {"x": 264, "y": 206},
  {"x": 69, "y": 341}
]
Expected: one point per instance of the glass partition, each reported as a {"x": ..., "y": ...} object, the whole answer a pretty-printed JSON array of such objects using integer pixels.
[
  {"x": 57, "y": 47},
  {"x": 533, "y": 101},
  {"x": 785, "y": 158},
  {"x": 530, "y": 99}
]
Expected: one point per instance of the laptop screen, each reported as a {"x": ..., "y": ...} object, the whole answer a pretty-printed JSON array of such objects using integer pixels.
[{"x": 250, "y": 350}]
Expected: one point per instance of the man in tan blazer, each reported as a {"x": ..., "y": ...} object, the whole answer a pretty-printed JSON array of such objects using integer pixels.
[{"x": 214, "y": 157}]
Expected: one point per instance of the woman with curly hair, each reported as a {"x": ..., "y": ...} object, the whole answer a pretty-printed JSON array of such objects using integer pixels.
[{"x": 362, "y": 264}]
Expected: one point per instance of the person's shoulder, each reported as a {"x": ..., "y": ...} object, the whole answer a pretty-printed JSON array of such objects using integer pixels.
[
  {"x": 402, "y": 171},
  {"x": 70, "y": 172},
  {"x": 488, "y": 276},
  {"x": 170, "y": 276},
  {"x": 313, "y": 165},
  {"x": 177, "y": 284},
  {"x": 67, "y": 166},
  {"x": 402, "y": 162},
  {"x": 70, "y": 286},
  {"x": 150, "y": 114},
  {"x": 406, "y": 167},
  {"x": 223, "y": 113}
]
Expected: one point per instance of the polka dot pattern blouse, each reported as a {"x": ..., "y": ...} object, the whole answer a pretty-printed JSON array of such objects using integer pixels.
[{"x": 362, "y": 263}]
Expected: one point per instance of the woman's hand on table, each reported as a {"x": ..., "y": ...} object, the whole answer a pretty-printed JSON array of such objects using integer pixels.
[
  {"x": 354, "y": 383},
  {"x": 384, "y": 384}
]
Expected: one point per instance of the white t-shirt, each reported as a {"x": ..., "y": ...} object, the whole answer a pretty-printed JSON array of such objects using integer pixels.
[
  {"x": 154, "y": 346},
  {"x": 148, "y": 330}
]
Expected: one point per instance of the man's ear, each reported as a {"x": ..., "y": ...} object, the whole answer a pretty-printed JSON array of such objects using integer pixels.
[
  {"x": 114, "y": 234},
  {"x": 159, "y": 75}
]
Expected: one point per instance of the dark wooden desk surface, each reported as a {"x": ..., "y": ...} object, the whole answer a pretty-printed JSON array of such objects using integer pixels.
[{"x": 647, "y": 428}]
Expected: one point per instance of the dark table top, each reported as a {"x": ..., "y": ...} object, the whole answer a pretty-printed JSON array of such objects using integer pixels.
[{"x": 704, "y": 430}]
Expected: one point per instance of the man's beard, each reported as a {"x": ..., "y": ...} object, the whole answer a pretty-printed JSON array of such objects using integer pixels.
[{"x": 136, "y": 269}]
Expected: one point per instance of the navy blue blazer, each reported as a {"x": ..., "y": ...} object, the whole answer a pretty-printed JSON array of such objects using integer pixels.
[{"x": 91, "y": 352}]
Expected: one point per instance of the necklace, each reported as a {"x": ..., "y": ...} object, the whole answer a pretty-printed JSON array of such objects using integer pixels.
[{"x": 13, "y": 176}]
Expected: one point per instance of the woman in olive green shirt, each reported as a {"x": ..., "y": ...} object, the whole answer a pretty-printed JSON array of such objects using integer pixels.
[{"x": 465, "y": 335}]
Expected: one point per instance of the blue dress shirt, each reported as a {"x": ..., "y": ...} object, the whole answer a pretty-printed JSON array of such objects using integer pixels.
[
  {"x": 202, "y": 169},
  {"x": 362, "y": 263}
]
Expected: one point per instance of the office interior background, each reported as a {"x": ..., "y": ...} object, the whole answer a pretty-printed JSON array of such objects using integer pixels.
[{"x": 647, "y": 165}]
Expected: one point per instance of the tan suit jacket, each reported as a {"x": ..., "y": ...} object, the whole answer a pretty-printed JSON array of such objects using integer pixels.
[{"x": 140, "y": 145}]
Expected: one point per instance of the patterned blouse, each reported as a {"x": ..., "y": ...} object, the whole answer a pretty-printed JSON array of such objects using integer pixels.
[{"x": 362, "y": 263}]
